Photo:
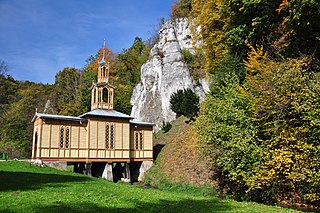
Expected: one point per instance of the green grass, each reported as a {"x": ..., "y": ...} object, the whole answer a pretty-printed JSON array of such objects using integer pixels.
[{"x": 29, "y": 188}]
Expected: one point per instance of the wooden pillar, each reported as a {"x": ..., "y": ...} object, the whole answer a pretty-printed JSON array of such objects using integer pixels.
[
  {"x": 88, "y": 168},
  {"x": 127, "y": 172},
  {"x": 107, "y": 173}
]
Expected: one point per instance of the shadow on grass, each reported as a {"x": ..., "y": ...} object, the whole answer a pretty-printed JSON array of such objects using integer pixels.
[
  {"x": 213, "y": 205},
  {"x": 29, "y": 181}
]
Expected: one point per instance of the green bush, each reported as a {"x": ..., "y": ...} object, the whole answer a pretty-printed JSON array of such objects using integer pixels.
[
  {"x": 166, "y": 126},
  {"x": 185, "y": 102}
]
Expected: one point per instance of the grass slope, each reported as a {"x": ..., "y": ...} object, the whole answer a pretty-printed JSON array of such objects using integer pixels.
[
  {"x": 179, "y": 161},
  {"x": 29, "y": 188}
]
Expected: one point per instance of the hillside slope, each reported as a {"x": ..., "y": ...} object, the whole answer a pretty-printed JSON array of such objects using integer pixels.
[{"x": 180, "y": 159}]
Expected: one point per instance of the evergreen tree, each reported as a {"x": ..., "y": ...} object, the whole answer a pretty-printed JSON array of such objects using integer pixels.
[{"x": 185, "y": 102}]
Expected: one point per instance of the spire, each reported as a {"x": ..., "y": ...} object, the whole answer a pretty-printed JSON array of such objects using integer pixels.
[
  {"x": 104, "y": 48},
  {"x": 103, "y": 60}
]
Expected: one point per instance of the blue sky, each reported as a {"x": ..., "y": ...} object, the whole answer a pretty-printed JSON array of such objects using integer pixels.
[{"x": 38, "y": 38}]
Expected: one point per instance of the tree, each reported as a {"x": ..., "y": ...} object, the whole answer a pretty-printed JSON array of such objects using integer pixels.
[
  {"x": 184, "y": 102},
  {"x": 267, "y": 114},
  {"x": 3, "y": 68},
  {"x": 214, "y": 17},
  {"x": 176, "y": 100},
  {"x": 66, "y": 89},
  {"x": 127, "y": 73},
  {"x": 180, "y": 9},
  {"x": 299, "y": 27},
  {"x": 286, "y": 114},
  {"x": 226, "y": 130},
  {"x": 17, "y": 128}
]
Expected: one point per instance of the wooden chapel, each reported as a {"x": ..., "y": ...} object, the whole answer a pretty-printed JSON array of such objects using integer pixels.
[{"x": 102, "y": 142}]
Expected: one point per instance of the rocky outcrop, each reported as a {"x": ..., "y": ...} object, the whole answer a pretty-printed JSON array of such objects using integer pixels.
[{"x": 165, "y": 72}]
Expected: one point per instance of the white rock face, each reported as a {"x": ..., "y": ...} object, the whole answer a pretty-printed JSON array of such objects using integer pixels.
[{"x": 164, "y": 73}]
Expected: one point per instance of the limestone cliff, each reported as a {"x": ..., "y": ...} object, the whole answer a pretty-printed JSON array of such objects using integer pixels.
[{"x": 164, "y": 73}]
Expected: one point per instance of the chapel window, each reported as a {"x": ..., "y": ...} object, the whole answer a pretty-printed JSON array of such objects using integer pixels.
[
  {"x": 61, "y": 136},
  {"x": 104, "y": 71},
  {"x": 67, "y": 137},
  {"x": 105, "y": 95},
  {"x": 141, "y": 139},
  {"x": 110, "y": 136},
  {"x": 107, "y": 137},
  {"x": 137, "y": 140},
  {"x": 99, "y": 96}
]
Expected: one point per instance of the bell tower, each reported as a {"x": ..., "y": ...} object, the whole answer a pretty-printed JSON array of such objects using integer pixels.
[{"x": 102, "y": 91}]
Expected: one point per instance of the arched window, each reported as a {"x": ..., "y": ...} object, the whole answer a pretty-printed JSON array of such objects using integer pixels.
[
  {"x": 105, "y": 95},
  {"x": 67, "y": 137},
  {"x": 99, "y": 96},
  {"x": 104, "y": 71},
  {"x": 107, "y": 137},
  {"x": 61, "y": 136},
  {"x": 139, "y": 140},
  {"x": 110, "y": 136}
]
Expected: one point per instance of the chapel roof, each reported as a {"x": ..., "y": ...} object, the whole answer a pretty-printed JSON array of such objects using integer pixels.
[
  {"x": 106, "y": 113},
  {"x": 143, "y": 123},
  {"x": 57, "y": 117}
]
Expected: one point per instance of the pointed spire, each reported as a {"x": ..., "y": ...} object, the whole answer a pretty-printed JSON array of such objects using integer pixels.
[
  {"x": 104, "y": 48},
  {"x": 103, "y": 60}
]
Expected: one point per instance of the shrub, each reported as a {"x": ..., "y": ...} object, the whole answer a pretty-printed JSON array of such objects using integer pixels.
[
  {"x": 166, "y": 126},
  {"x": 185, "y": 102}
]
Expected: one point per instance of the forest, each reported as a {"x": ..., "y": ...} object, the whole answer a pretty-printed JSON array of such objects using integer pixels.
[{"x": 259, "y": 126}]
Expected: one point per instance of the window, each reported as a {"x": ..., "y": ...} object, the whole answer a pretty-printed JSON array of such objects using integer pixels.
[
  {"x": 139, "y": 139},
  {"x": 61, "y": 136},
  {"x": 109, "y": 136},
  {"x": 64, "y": 137},
  {"x": 94, "y": 96},
  {"x": 105, "y": 95},
  {"x": 67, "y": 137},
  {"x": 99, "y": 96},
  {"x": 104, "y": 71}
]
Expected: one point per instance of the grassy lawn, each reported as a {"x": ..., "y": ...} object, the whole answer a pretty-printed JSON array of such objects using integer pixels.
[{"x": 29, "y": 188}]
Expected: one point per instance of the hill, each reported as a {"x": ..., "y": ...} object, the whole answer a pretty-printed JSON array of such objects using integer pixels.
[
  {"x": 28, "y": 188},
  {"x": 180, "y": 159}
]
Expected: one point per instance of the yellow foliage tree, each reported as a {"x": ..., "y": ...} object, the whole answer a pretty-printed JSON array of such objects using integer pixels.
[
  {"x": 286, "y": 113},
  {"x": 213, "y": 17}
]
